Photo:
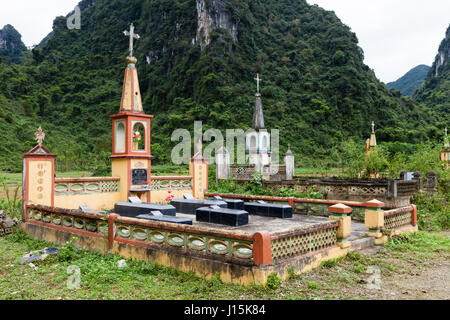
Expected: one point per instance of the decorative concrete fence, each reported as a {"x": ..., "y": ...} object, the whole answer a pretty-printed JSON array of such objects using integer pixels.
[
  {"x": 242, "y": 172},
  {"x": 238, "y": 256},
  {"x": 86, "y": 185},
  {"x": 394, "y": 193},
  {"x": 171, "y": 183},
  {"x": 241, "y": 257},
  {"x": 398, "y": 218},
  {"x": 285, "y": 245}
]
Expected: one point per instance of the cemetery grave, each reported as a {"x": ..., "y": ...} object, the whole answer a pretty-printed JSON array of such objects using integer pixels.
[{"x": 241, "y": 239}]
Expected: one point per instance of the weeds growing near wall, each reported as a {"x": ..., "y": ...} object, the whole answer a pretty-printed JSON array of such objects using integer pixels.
[{"x": 13, "y": 201}]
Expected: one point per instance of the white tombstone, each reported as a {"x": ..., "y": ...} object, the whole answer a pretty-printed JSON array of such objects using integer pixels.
[
  {"x": 222, "y": 164},
  {"x": 289, "y": 160}
]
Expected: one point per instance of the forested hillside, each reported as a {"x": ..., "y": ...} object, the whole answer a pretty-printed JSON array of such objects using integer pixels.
[
  {"x": 411, "y": 80},
  {"x": 196, "y": 61},
  {"x": 435, "y": 92}
]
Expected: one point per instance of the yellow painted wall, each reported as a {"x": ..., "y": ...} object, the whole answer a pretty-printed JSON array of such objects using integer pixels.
[
  {"x": 120, "y": 170},
  {"x": 160, "y": 195},
  {"x": 96, "y": 201}
]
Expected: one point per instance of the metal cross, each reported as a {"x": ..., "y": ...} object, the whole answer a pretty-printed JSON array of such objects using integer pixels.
[
  {"x": 39, "y": 136},
  {"x": 258, "y": 80},
  {"x": 373, "y": 126},
  {"x": 132, "y": 36}
]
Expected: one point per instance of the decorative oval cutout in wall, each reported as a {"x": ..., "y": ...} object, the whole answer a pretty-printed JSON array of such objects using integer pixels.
[
  {"x": 47, "y": 218},
  {"x": 176, "y": 240},
  {"x": 93, "y": 187},
  {"x": 77, "y": 187},
  {"x": 197, "y": 243},
  {"x": 37, "y": 215},
  {"x": 61, "y": 188},
  {"x": 243, "y": 251},
  {"x": 140, "y": 234},
  {"x": 56, "y": 220},
  {"x": 219, "y": 247},
  {"x": 67, "y": 222},
  {"x": 124, "y": 232},
  {"x": 91, "y": 226},
  {"x": 165, "y": 184},
  {"x": 79, "y": 224},
  {"x": 157, "y": 236}
]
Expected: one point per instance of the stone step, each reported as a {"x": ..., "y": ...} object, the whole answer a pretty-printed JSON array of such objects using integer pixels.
[{"x": 362, "y": 243}]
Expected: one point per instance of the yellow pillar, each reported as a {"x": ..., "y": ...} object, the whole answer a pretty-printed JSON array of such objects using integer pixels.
[
  {"x": 38, "y": 178},
  {"x": 340, "y": 213},
  {"x": 198, "y": 170},
  {"x": 374, "y": 220}
]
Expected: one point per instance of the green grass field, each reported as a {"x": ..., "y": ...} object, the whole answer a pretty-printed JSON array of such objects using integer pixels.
[{"x": 400, "y": 262}]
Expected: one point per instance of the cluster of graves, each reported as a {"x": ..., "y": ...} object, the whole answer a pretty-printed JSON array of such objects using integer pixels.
[{"x": 228, "y": 212}]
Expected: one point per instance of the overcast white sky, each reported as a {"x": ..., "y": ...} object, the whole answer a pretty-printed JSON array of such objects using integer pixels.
[{"x": 396, "y": 35}]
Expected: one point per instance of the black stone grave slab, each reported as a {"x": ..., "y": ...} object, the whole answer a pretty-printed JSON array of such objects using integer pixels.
[
  {"x": 268, "y": 210},
  {"x": 188, "y": 206},
  {"x": 169, "y": 219},
  {"x": 223, "y": 216},
  {"x": 234, "y": 204},
  {"x": 127, "y": 209}
]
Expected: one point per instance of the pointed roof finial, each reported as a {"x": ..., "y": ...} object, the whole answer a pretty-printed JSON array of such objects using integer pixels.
[
  {"x": 258, "y": 80},
  {"x": 289, "y": 151},
  {"x": 39, "y": 136},
  {"x": 132, "y": 36}
]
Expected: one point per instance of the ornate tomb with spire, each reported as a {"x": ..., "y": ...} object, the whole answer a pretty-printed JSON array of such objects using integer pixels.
[
  {"x": 258, "y": 138},
  {"x": 131, "y": 152}
]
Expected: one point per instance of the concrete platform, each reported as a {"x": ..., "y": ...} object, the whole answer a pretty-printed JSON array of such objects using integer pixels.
[{"x": 258, "y": 223}]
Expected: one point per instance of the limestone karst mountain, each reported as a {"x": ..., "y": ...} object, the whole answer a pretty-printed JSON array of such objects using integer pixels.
[
  {"x": 435, "y": 92},
  {"x": 11, "y": 45},
  {"x": 196, "y": 61}
]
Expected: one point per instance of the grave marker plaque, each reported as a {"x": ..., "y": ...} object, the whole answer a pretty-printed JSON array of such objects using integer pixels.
[{"x": 139, "y": 176}]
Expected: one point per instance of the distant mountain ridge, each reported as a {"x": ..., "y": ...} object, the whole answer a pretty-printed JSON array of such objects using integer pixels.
[{"x": 412, "y": 80}]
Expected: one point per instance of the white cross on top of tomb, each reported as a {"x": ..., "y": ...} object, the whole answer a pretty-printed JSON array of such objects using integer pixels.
[
  {"x": 258, "y": 80},
  {"x": 132, "y": 36},
  {"x": 373, "y": 126}
]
